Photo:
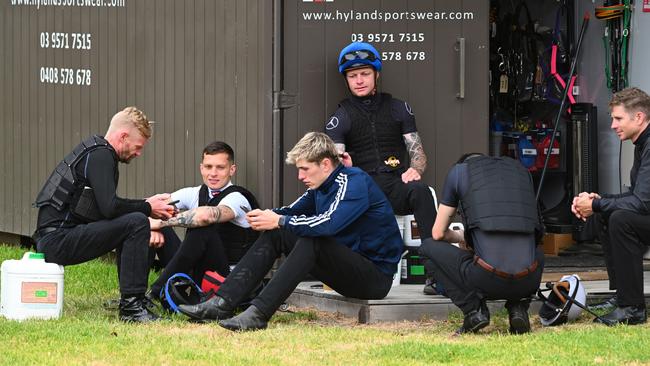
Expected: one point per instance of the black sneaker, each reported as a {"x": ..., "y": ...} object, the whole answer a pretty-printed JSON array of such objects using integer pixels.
[
  {"x": 608, "y": 304},
  {"x": 475, "y": 320},
  {"x": 631, "y": 315},
  {"x": 430, "y": 287},
  {"x": 518, "y": 317},
  {"x": 133, "y": 310}
]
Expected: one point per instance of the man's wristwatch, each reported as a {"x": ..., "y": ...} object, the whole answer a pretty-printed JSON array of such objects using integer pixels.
[{"x": 281, "y": 221}]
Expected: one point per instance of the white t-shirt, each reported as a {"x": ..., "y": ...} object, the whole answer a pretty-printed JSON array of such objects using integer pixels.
[{"x": 189, "y": 199}]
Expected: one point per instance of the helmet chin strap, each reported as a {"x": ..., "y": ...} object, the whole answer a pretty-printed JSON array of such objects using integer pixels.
[{"x": 555, "y": 287}]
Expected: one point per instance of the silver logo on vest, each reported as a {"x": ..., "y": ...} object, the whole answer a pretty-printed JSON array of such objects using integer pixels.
[
  {"x": 408, "y": 108},
  {"x": 333, "y": 123}
]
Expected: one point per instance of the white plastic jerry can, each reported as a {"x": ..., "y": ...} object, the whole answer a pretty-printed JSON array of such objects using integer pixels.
[{"x": 31, "y": 288}]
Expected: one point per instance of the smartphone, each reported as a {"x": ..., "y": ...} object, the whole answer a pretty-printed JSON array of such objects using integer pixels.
[
  {"x": 173, "y": 203},
  {"x": 244, "y": 208}
]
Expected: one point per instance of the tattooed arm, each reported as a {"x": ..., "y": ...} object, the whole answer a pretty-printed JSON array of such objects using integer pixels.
[
  {"x": 416, "y": 152},
  {"x": 417, "y": 156},
  {"x": 200, "y": 216}
]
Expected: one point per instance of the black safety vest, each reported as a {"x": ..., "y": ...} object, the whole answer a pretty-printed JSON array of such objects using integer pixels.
[
  {"x": 500, "y": 197},
  {"x": 64, "y": 187},
  {"x": 375, "y": 140},
  {"x": 236, "y": 239}
]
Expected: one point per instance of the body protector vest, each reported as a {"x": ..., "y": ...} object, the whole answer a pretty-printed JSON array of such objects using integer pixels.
[
  {"x": 375, "y": 140},
  {"x": 500, "y": 197},
  {"x": 65, "y": 189},
  {"x": 236, "y": 239}
]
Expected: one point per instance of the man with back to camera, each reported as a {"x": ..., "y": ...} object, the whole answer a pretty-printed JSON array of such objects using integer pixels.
[
  {"x": 625, "y": 217},
  {"x": 216, "y": 246},
  {"x": 80, "y": 216},
  {"x": 496, "y": 199},
  {"x": 341, "y": 230},
  {"x": 374, "y": 131}
]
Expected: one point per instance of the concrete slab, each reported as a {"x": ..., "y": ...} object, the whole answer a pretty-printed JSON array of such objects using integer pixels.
[{"x": 407, "y": 302}]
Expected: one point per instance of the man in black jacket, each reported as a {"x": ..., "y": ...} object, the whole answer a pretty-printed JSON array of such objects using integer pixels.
[
  {"x": 81, "y": 217},
  {"x": 625, "y": 218}
]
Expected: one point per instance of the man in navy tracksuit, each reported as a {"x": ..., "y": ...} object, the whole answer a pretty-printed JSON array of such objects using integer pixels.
[{"x": 341, "y": 230}]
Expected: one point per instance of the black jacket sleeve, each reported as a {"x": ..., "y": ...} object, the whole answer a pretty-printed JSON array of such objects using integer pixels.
[
  {"x": 100, "y": 168},
  {"x": 638, "y": 199}
]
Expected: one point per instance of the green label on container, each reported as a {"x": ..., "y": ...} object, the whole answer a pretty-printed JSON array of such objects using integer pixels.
[
  {"x": 40, "y": 293},
  {"x": 36, "y": 256},
  {"x": 417, "y": 270}
]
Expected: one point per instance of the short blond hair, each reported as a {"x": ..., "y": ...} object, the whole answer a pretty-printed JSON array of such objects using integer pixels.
[
  {"x": 313, "y": 148},
  {"x": 131, "y": 118},
  {"x": 633, "y": 100}
]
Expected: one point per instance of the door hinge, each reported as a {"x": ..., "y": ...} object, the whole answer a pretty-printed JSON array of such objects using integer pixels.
[{"x": 283, "y": 100}]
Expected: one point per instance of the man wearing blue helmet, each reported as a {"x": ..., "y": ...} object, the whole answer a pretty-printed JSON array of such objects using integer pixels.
[{"x": 377, "y": 133}]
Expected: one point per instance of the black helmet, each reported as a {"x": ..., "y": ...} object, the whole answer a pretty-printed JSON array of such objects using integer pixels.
[{"x": 181, "y": 289}]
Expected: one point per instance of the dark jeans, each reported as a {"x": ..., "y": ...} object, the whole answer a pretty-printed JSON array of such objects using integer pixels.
[
  {"x": 127, "y": 234},
  {"x": 625, "y": 236},
  {"x": 336, "y": 265},
  {"x": 201, "y": 250},
  {"x": 406, "y": 198},
  {"x": 467, "y": 284}
]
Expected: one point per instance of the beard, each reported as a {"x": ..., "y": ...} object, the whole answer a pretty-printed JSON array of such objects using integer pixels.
[{"x": 123, "y": 158}]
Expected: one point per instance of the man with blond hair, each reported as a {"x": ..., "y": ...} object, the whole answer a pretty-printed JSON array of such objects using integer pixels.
[
  {"x": 341, "y": 231},
  {"x": 625, "y": 217},
  {"x": 81, "y": 217}
]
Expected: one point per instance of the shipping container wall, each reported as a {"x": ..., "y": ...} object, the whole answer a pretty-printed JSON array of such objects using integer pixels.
[
  {"x": 431, "y": 49},
  {"x": 201, "y": 69}
]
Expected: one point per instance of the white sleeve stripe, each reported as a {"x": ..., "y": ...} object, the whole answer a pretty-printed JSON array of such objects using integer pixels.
[
  {"x": 304, "y": 220},
  {"x": 296, "y": 201},
  {"x": 342, "y": 180}
]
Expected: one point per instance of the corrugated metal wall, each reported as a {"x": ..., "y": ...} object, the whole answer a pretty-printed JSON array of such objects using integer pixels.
[{"x": 201, "y": 69}]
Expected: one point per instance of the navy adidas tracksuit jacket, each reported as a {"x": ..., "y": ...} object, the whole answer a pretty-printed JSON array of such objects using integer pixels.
[{"x": 351, "y": 208}]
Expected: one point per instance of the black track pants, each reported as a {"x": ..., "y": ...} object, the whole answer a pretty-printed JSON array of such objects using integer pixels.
[
  {"x": 467, "y": 284},
  {"x": 625, "y": 236},
  {"x": 347, "y": 272}
]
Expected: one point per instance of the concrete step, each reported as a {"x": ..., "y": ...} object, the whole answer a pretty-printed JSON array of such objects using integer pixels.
[
  {"x": 586, "y": 274},
  {"x": 407, "y": 302}
]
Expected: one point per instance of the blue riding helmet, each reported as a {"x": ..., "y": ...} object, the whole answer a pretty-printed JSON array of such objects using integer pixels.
[{"x": 358, "y": 54}]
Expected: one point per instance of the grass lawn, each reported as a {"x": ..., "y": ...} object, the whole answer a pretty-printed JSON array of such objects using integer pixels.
[{"x": 89, "y": 334}]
